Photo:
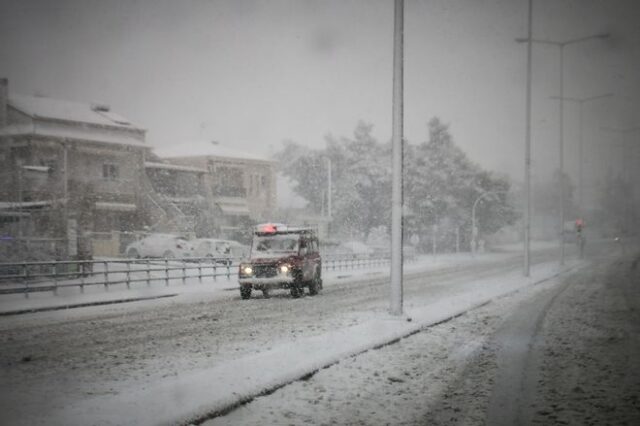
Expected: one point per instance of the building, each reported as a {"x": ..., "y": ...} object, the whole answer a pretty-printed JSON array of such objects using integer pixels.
[
  {"x": 68, "y": 169},
  {"x": 182, "y": 198},
  {"x": 242, "y": 185},
  {"x": 80, "y": 180}
]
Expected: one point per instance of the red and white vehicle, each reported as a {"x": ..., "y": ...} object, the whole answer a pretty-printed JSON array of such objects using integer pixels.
[{"x": 282, "y": 257}]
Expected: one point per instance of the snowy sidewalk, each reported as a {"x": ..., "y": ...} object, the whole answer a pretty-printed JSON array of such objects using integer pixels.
[{"x": 196, "y": 395}]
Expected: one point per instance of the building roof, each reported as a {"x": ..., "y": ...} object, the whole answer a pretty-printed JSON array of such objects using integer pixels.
[
  {"x": 50, "y": 129},
  {"x": 203, "y": 148},
  {"x": 40, "y": 107},
  {"x": 177, "y": 167}
]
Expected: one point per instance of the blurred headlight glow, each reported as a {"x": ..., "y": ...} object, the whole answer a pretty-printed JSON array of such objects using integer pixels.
[
  {"x": 247, "y": 270},
  {"x": 284, "y": 269}
]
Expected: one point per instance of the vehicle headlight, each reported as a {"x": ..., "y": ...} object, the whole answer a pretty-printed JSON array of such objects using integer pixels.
[
  {"x": 284, "y": 269},
  {"x": 246, "y": 269}
]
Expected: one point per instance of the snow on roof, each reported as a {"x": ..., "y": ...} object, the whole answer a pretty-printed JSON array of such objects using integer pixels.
[
  {"x": 40, "y": 107},
  {"x": 177, "y": 167},
  {"x": 75, "y": 132},
  {"x": 203, "y": 148}
]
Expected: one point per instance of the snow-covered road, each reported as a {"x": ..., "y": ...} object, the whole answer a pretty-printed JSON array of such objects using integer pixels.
[
  {"x": 564, "y": 352},
  {"x": 80, "y": 365}
]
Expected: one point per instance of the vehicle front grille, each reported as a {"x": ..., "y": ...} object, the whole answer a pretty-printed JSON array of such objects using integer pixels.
[{"x": 265, "y": 271}]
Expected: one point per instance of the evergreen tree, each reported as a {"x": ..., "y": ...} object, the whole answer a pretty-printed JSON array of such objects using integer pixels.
[{"x": 440, "y": 184}]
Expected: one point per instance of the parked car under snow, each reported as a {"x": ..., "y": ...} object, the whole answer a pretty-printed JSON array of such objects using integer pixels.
[{"x": 160, "y": 245}]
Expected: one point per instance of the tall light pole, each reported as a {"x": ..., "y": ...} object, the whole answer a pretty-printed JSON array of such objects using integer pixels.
[
  {"x": 396, "y": 186},
  {"x": 527, "y": 147},
  {"x": 561, "y": 45},
  {"x": 581, "y": 102},
  {"x": 474, "y": 229}
]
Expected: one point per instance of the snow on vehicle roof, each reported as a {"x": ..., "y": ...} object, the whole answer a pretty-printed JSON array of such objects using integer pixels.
[{"x": 279, "y": 228}]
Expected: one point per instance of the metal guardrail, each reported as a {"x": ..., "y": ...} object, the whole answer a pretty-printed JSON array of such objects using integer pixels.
[
  {"x": 29, "y": 277},
  {"x": 43, "y": 276}
]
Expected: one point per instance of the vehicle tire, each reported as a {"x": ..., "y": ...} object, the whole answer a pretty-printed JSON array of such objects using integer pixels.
[
  {"x": 296, "y": 290},
  {"x": 315, "y": 284},
  {"x": 168, "y": 254},
  {"x": 133, "y": 254},
  {"x": 245, "y": 292},
  {"x": 313, "y": 288},
  {"x": 265, "y": 293}
]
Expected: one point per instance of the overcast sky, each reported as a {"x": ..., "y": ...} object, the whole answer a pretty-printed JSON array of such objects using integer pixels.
[{"x": 250, "y": 74}]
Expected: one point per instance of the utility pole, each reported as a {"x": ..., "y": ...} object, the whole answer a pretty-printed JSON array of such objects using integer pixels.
[
  {"x": 396, "y": 195},
  {"x": 527, "y": 150},
  {"x": 561, "y": 45},
  {"x": 581, "y": 102}
]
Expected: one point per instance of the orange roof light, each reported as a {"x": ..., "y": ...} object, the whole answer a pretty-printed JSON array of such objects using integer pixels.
[{"x": 268, "y": 228}]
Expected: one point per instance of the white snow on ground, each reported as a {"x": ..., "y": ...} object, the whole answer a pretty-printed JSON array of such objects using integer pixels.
[
  {"x": 205, "y": 387},
  {"x": 195, "y": 394},
  {"x": 398, "y": 384},
  {"x": 586, "y": 368},
  {"x": 211, "y": 288}
]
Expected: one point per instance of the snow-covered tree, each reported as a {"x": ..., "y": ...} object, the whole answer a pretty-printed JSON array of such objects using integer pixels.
[
  {"x": 362, "y": 180},
  {"x": 307, "y": 169},
  {"x": 441, "y": 185}
]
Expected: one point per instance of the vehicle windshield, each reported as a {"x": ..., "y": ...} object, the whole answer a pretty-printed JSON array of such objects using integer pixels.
[{"x": 274, "y": 245}]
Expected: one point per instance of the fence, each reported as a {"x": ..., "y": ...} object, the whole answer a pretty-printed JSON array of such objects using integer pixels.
[{"x": 29, "y": 277}]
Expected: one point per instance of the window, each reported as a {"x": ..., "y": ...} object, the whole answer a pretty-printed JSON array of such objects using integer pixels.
[
  {"x": 254, "y": 184},
  {"x": 109, "y": 172},
  {"x": 229, "y": 182}
]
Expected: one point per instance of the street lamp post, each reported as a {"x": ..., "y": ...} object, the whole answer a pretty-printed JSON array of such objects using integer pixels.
[
  {"x": 474, "y": 229},
  {"x": 561, "y": 44},
  {"x": 581, "y": 102},
  {"x": 396, "y": 192},
  {"x": 527, "y": 146}
]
